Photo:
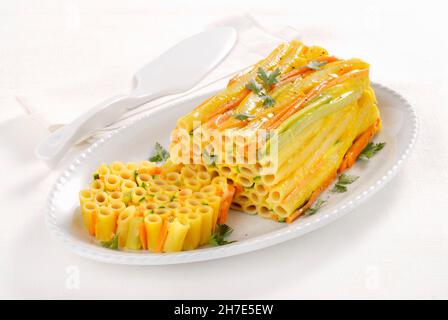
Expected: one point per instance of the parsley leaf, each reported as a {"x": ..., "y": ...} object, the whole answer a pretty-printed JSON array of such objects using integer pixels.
[
  {"x": 209, "y": 159},
  {"x": 96, "y": 176},
  {"x": 339, "y": 188},
  {"x": 268, "y": 78},
  {"x": 370, "y": 150},
  {"x": 343, "y": 181},
  {"x": 319, "y": 203},
  {"x": 160, "y": 154},
  {"x": 316, "y": 65},
  {"x": 222, "y": 231},
  {"x": 254, "y": 87},
  {"x": 112, "y": 244},
  {"x": 268, "y": 101},
  {"x": 242, "y": 116},
  {"x": 347, "y": 179}
]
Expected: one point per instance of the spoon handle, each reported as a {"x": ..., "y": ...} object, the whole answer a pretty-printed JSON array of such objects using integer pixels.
[{"x": 57, "y": 143}]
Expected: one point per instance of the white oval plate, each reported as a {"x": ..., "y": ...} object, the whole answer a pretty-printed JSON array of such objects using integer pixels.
[{"x": 134, "y": 143}]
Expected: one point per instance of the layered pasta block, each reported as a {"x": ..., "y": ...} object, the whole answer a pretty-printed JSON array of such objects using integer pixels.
[
  {"x": 282, "y": 131},
  {"x": 162, "y": 209}
]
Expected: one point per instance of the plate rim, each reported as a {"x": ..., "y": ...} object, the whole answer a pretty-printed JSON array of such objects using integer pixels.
[{"x": 252, "y": 244}]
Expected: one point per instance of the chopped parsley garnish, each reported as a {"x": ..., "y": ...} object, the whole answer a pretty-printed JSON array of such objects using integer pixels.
[
  {"x": 343, "y": 181},
  {"x": 160, "y": 154},
  {"x": 209, "y": 159},
  {"x": 112, "y": 244},
  {"x": 319, "y": 203},
  {"x": 268, "y": 101},
  {"x": 268, "y": 78},
  {"x": 218, "y": 237},
  {"x": 370, "y": 150},
  {"x": 242, "y": 116},
  {"x": 253, "y": 86},
  {"x": 96, "y": 176}
]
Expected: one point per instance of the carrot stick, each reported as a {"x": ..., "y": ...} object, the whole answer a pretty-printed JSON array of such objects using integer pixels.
[
  {"x": 312, "y": 198},
  {"x": 225, "y": 204},
  {"x": 162, "y": 237},
  {"x": 275, "y": 121},
  {"x": 293, "y": 75},
  {"x": 229, "y": 105},
  {"x": 238, "y": 188},
  {"x": 360, "y": 143},
  {"x": 143, "y": 237}
]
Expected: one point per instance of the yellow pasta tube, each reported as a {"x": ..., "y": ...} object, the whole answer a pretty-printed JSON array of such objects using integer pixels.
[
  {"x": 184, "y": 194},
  {"x": 116, "y": 167},
  {"x": 115, "y": 196},
  {"x": 215, "y": 203},
  {"x": 101, "y": 198},
  {"x": 173, "y": 178},
  {"x": 123, "y": 225},
  {"x": 204, "y": 178},
  {"x": 144, "y": 180},
  {"x": 149, "y": 208},
  {"x": 200, "y": 196},
  {"x": 153, "y": 226},
  {"x": 97, "y": 185},
  {"x": 89, "y": 212},
  {"x": 177, "y": 231},
  {"x": 85, "y": 195},
  {"x": 170, "y": 190},
  {"x": 117, "y": 208},
  {"x": 209, "y": 190},
  {"x": 206, "y": 213},
  {"x": 192, "y": 203},
  {"x": 112, "y": 182},
  {"x": 172, "y": 206},
  {"x": 133, "y": 238},
  {"x": 131, "y": 166},
  {"x": 137, "y": 195},
  {"x": 105, "y": 224},
  {"x": 103, "y": 170},
  {"x": 164, "y": 213},
  {"x": 193, "y": 237},
  {"x": 128, "y": 185},
  {"x": 193, "y": 184},
  {"x": 126, "y": 174}
]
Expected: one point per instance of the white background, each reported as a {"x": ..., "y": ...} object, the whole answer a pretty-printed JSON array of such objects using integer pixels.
[{"x": 393, "y": 246}]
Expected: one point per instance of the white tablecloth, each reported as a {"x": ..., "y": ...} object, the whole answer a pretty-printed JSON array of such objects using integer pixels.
[{"x": 393, "y": 246}]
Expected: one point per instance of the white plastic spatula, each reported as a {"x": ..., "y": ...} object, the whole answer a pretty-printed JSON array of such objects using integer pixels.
[{"x": 175, "y": 71}]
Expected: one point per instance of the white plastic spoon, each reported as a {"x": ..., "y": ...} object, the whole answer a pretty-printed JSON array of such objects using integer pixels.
[{"x": 175, "y": 71}]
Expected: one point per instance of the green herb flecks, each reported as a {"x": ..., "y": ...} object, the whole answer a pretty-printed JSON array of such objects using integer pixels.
[
  {"x": 268, "y": 101},
  {"x": 268, "y": 78},
  {"x": 370, "y": 150},
  {"x": 96, "y": 176},
  {"x": 253, "y": 86},
  {"x": 160, "y": 154},
  {"x": 221, "y": 232},
  {"x": 209, "y": 159},
  {"x": 319, "y": 203},
  {"x": 343, "y": 181},
  {"x": 242, "y": 116},
  {"x": 112, "y": 244}
]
